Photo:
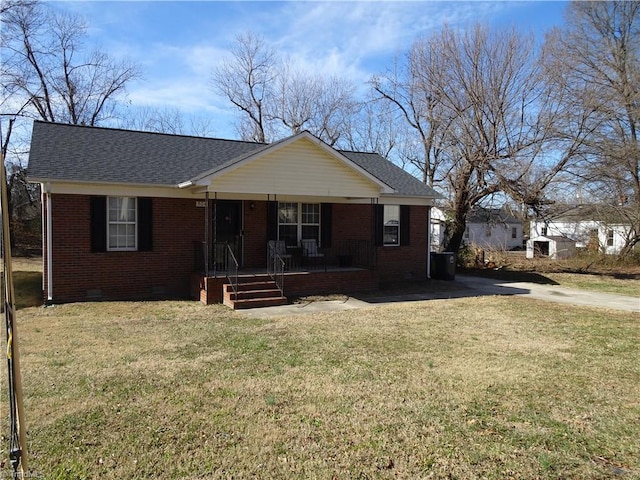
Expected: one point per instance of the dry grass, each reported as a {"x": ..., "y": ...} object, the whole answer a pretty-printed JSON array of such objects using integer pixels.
[
  {"x": 487, "y": 387},
  {"x": 27, "y": 264}
]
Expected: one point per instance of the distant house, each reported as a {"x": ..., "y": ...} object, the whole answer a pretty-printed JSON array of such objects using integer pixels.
[
  {"x": 493, "y": 228},
  {"x": 438, "y": 226},
  {"x": 145, "y": 215},
  {"x": 590, "y": 226}
]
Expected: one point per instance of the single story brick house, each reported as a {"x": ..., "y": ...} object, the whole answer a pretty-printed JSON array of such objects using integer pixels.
[{"x": 129, "y": 215}]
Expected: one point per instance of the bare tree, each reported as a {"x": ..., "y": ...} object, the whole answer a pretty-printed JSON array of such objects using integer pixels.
[
  {"x": 375, "y": 128},
  {"x": 46, "y": 74},
  {"x": 247, "y": 79},
  {"x": 166, "y": 120},
  {"x": 595, "y": 58},
  {"x": 335, "y": 105},
  {"x": 410, "y": 90},
  {"x": 480, "y": 111},
  {"x": 44, "y": 66},
  {"x": 275, "y": 98}
]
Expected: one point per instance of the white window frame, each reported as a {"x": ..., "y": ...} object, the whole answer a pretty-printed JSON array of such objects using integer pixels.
[
  {"x": 610, "y": 237},
  {"x": 299, "y": 223},
  {"x": 115, "y": 223},
  {"x": 386, "y": 213}
]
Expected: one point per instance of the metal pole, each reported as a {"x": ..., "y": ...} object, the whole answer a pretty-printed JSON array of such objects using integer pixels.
[{"x": 206, "y": 234}]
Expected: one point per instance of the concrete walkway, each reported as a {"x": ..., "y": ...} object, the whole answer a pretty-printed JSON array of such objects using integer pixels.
[{"x": 464, "y": 286}]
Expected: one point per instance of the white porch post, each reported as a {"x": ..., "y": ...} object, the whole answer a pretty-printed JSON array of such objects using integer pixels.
[{"x": 206, "y": 234}]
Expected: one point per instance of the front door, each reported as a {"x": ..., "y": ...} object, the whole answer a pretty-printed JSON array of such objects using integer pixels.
[{"x": 228, "y": 225}]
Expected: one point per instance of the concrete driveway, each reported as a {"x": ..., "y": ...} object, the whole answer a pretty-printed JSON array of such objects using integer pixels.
[
  {"x": 464, "y": 286},
  {"x": 551, "y": 293}
]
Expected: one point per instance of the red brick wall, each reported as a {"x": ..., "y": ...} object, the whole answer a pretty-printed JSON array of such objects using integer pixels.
[
  {"x": 394, "y": 262},
  {"x": 322, "y": 283},
  {"x": 410, "y": 261},
  {"x": 79, "y": 274}
]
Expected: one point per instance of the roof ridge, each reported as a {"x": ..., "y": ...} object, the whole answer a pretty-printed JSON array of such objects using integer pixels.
[{"x": 147, "y": 132}]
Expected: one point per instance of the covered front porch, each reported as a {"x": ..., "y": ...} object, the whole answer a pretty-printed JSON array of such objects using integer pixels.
[
  {"x": 310, "y": 219},
  {"x": 251, "y": 248}
]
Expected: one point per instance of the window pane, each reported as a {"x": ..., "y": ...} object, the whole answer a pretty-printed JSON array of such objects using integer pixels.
[
  {"x": 113, "y": 209},
  {"x": 289, "y": 234},
  {"x": 391, "y": 218},
  {"x": 311, "y": 213},
  {"x": 391, "y": 235},
  {"x": 392, "y": 215},
  {"x": 288, "y": 213},
  {"x": 311, "y": 232},
  {"x": 122, "y": 223},
  {"x": 122, "y": 209}
]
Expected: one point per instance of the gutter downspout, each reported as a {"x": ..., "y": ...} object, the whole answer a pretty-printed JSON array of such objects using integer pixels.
[{"x": 49, "y": 245}]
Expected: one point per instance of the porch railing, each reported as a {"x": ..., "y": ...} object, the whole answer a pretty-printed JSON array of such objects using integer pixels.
[
  {"x": 275, "y": 268},
  {"x": 343, "y": 253},
  {"x": 231, "y": 264},
  {"x": 353, "y": 253},
  {"x": 212, "y": 261}
]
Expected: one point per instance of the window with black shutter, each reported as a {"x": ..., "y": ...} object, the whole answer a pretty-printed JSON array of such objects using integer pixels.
[
  {"x": 392, "y": 225},
  {"x": 121, "y": 224}
]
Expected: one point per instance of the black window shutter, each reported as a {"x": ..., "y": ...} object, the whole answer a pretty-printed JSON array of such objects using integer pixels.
[
  {"x": 145, "y": 225},
  {"x": 379, "y": 224},
  {"x": 272, "y": 220},
  {"x": 98, "y": 221},
  {"x": 325, "y": 224},
  {"x": 405, "y": 224}
]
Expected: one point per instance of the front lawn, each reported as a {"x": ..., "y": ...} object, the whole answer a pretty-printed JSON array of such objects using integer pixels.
[{"x": 488, "y": 387}]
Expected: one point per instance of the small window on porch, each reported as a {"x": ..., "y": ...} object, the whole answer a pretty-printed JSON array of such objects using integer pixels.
[
  {"x": 297, "y": 221},
  {"x": 391, "y": 225}
]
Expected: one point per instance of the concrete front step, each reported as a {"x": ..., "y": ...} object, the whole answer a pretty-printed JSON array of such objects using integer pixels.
[
  {"x": 247, "y": 294},
  {"x": 255, "y": 285},
  {"x": 253, "y": 295}
]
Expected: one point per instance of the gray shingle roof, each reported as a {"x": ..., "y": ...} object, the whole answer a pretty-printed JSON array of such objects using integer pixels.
[
  {"x": 491, "y": 215},
  {"x": 73, "y": 153}
]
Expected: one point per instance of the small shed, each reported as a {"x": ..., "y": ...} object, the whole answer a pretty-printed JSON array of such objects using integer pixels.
[{"x": 552, "y": 246}]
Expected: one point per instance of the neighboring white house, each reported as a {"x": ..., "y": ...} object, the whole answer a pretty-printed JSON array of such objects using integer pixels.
[
  {"x": 493, "y": 229},
  {"x": 437, "y": 227},
  {"x": 555, "y": 247},
  {"x": 589, "y": 226}
]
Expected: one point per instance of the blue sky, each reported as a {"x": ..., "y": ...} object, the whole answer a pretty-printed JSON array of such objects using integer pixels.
[{"x": 178, "y": 44}]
